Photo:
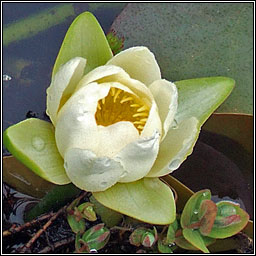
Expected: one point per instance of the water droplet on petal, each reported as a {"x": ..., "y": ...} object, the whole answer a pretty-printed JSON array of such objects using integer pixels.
[
  {"x": 65, "y": 165},
  {"x": 124, "y": 174},
  {"x": 81, "y": 118},
  {"x": 38, "y": 143},
  {"x": 174, "y": 124},
  {"x": 93, "y": 251},
  {"x": 195, "y": 212},
  {"x": 103, "y": 183},
  {"x": 174, "y": 164},
  {"x": 205, "y": 194}
]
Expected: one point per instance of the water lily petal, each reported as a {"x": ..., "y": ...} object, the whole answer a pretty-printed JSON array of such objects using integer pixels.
[
  {"x": 138, "y": 157},
  {"x": 32, "y": 142},
  {"x": 139, "y": 62},
  {"x": 175, "y": 148},
  {"x": 89, "y": 172},
  {"x": 62, "y": 85},
  {"x": 148, "y": 200},
  {"x": 76, "y": 126},
  {"x": 115, "y": 137},
  {"x": 110, "y": 74},
  {"x": 166, "y": 96},
  {"x": 99, "y": 73},
  {"x": 153, "y": 123}
]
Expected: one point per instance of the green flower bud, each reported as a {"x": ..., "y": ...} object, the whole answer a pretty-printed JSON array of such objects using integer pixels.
[
  {"x": 87, "y": 211},
  {"x": 96, "y": 237}
]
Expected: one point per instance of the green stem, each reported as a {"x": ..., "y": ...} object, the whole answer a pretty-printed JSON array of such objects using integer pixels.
[{"x": 55, "y": 199}]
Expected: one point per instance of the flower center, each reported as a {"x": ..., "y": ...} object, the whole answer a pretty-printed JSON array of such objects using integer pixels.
[{"x": 120, "y": 105}]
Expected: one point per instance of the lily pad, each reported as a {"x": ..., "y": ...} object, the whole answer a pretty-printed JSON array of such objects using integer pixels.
[
  {"x": 23, "y": 180},
  {"x": 196, "y": 40},
  {"x": 238, "y": 127}
]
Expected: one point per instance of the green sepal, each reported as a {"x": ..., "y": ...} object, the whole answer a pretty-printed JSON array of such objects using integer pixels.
[{"x": 84, "y": 38}]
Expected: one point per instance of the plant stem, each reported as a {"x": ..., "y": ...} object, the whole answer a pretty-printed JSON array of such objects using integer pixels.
[
  {"x": 15, "y": 229},
  {"x": 41, "y": 231}
]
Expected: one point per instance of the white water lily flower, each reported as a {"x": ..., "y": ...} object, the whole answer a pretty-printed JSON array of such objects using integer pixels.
[
  {"x": 110, "y": 124},
  {"x": 117, "y": 129}
]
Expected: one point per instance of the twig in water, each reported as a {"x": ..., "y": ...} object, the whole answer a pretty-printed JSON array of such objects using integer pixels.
[{"x": 27, "y": 246}]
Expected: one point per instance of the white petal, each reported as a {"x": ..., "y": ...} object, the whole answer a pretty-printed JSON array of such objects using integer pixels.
[
  {"x": 110, "y": 73},
  {"x": 175, "y": 148},
  {"x": 89, "y": 172},
  {"x": 101, "y": 72},
  {"x": 115, "y": 137},
  {"x": 153, "y": 123},
  {"x": 76, "y": 125},
  {"x": 138, "y": 157},
  {"x": 63, "y": 85},
  {"x": 166, "y": 96},
  {"x": 139, "y": 63}
]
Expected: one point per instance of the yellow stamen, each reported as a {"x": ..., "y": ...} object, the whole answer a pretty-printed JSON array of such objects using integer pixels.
[
  {"x": 116, "y": 95},
  {"x": 126, "y": 99},
  {"x": 140, "y": 114},
  {"x": 143, "y": 108},
  {"x": 110, "y": 109},
  {"x": 134, "y": 105},
  {"x": 112, "y": 91},
  {"x": 138, "y": 122}
]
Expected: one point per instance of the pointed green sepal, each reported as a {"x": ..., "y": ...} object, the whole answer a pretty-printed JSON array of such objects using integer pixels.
[
  {"x": 84, "y": 38},
  {"x": 32, "y": 142},
  {"x": 148, "y": 200},
  {"x": 200, "y": 97}
]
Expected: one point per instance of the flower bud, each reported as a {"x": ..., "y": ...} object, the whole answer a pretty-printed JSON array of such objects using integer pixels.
[
  {"x": 87, "y": 211},
  {"x": 142, "y": 236},
  {"x": 96, "y": 237},
  {"x": 148, "y": 239},
  {"x": 136, "y": 236}
]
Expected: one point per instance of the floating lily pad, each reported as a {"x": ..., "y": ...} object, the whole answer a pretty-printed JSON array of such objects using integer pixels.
[
  {"x": 23, "y": 180},
  {"x": 193, "y": 40}
]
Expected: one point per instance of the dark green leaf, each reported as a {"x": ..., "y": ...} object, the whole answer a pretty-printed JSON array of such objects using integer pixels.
[
  {"x": 109, "y": 217},
  {"x": 76, "y": 226},
  {"x": 55, "y": 199},
  {"x": 163, "y": 248},
  {"x": 196, "y": 239},
  {"x": 170, "y": 237}
]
